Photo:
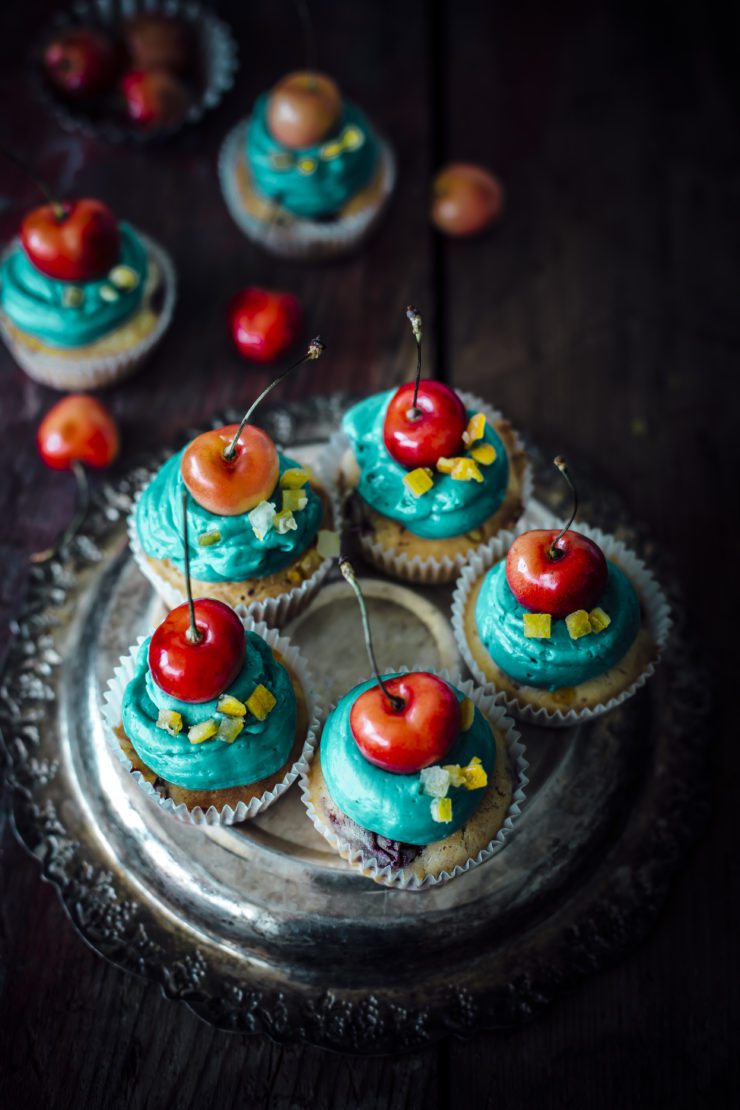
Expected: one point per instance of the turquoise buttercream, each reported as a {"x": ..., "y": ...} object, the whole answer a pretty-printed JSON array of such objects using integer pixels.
[
  {"x": 450, "y": 508},
  {"x": 559, "y": 661},
  {"x": 332, "y": 181},
  {"x": 393, "y": 805},
  {"x": 238, "y": 554},
  {"x": 260, "y": 749},
  {"x": 35, "y": 302}
]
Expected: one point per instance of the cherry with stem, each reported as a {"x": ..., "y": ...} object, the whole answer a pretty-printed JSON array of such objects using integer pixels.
[
  {"x": 553, "y": 551},
  {"x": 397, "y": 704},
  {"x": 414, "y": 319}
]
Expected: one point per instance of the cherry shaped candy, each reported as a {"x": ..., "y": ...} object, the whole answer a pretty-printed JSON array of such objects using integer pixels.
[
  {"x": 556, "y": 572},
  {"x": 76, "y": 241},
  {"x": 263, "y": 324},
  {"x": 417, "y": 730},
  {"x": 303, "y": 108},
  {"x": 197, "y": 669}
]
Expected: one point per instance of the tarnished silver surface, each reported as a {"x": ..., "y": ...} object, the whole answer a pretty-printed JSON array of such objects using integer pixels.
[{"x": 260, "y": 928}]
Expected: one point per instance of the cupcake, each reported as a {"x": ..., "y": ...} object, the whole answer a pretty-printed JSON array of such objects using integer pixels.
[
  {"x": 306, "y": 176},
  {"x": 431, "y": 475},
  {"x": 215, "y": 725},
  {"x": 416, "y": 780},
  {"x": 260, "y": 526},
  {"x": 84, "y": 298},
  {"x": 563, "y": 625}
]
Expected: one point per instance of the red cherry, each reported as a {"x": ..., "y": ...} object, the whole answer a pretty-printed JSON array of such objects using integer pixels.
[
  {"x": 405, "y": 740},
  {"x": 574, "y": 579},
  {"x": 228, "y": 487},
  {"x": 81, "y": 62},
  {"x": 154, "y": 98},
  {"x": 197, "y": 670},
  {"x": 419, "y": 440},
  {"x": 264, "y": 324},
  {"x": 303, "y": 108},
  {"x": 77, "y": 429},
  {"x": 78, "y": 241},
  {"x": 465, "y": 199}
]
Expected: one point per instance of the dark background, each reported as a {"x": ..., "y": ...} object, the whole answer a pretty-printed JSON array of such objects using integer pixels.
[{"x": 601, "y": 316}]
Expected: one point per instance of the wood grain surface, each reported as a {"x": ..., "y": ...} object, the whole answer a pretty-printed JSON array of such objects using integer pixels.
[{"x": 601, "y": 316}]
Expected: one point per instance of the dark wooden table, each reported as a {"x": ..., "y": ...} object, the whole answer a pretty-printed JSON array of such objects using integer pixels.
[{"x": 602, "y": 316}]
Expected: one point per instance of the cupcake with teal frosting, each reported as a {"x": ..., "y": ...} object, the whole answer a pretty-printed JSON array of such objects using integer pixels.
[
  {"x": 306, "y": 175},
  {"x": 84, "y": 297}
]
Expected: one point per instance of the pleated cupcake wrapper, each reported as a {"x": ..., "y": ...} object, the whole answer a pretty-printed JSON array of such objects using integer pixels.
[
  {"x": 428, "y": 571},
  {"x": 275, "y": 611},
  {"x": 228, "y": 815},
  {"x": 654, "y": 602},
  {"x": 301, "y": 238},
  {"x": 65, "y": 373},
  {"x": 403, "y": 878}
]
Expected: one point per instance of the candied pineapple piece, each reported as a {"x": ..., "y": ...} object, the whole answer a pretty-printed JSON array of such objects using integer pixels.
[
  {"x": 484, "y": 453},
  {"x": 231, "y": 706},
  {"x": 537, "y": 626},
  {"x": 170, "y": 720},
  {"x": 578, "y": 624},
  {"x": 206, "y": 730},
  {"x": 442, "y": 810},
  {"x": 285, "y": 522},
  {"x": 474, "y": 776},
  {"x": 467, "y": 714},
  {"x": 434, "y": 781},
  {"x": 327, "y": 543},
  {"x": 466, "y": 470},
  {"x": 261, "y": 702},
  {"x": 229, "y": 729},
  {"x": 294, "y": 577},
  {"x": 475, "y": 429},
  {"x": 261, "y": 518},
  {"x": 207, "y": 539},
  {"x": 294, "y": 478},
  {"x": 294, "y": 500},
  {"x": 418, "y": 481},
  {"x": 444, "y": 466},
  {"x": 598, "y": 619}
]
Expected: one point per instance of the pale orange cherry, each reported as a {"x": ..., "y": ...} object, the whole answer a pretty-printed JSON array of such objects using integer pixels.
[
  {"x": 465, "y": 199},
  {"x": 225, "y": 485},
  {"x": 303, "y": 109}
]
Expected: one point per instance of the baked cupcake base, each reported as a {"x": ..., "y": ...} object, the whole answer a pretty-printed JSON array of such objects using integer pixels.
[
  {"x": 289, "y": 236},
  {"x": 114, "y": 356}
]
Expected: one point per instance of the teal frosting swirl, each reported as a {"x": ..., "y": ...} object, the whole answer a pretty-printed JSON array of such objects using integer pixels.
[
  {"x": 451, "y": 508},
  {"x": 36, "y": 304},
  {"x": 261, "y": 748},
  {"x": 238, "y": 554},
  {"x": 332, "y": 181},
  {"x": 559, "y": 661},
  {"x": 393, "y": 805}
]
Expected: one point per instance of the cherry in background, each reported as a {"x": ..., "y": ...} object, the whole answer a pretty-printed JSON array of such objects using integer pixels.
[
  {"x": 303, "y": 109},
  {"x": 74, "y": 241},
  {"x": 466, "y": 199},
  {"x": 81, "y": 62},
  {"x": 263, "y": 324},
  {"x": 154, "y": 98}
]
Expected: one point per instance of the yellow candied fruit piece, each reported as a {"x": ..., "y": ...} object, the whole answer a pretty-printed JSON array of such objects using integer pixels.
[
  {"x": 444, "y": 466},
  {"x": 294, "y": 500},
  {"x": 306, "y": 165},
  {"x": 474, "y": 776},
  {"x": 284, "y": 522},
  {"x": 467, "y": 714},
  {"x": 442, "y": 809},
  {"x": 466, "y": 470},
  {"x": 170, "y": 720},
  {"x": 229, "y": 729},
  {"x": 537, "y": 626},
  {"x": 475, "y": 429},
  {"x": 484, "y": 453},
  {"x": 418, "y": 481},
  {"x": 206, "y": 730},
  {"x": 207, "y": 539},
  {"x": 578, "y": 624},
  {"x": 294, "y": 478},
  {"x": 598, "y": 619},
  {"x": 327, "y": 543},
  {"x": 294, "y": 577},
  {"x": 261, "y": 702},
  {"x": 231, "y": 706}
]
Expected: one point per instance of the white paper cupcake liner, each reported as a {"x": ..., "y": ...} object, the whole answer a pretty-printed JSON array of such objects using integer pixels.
[
  {"x": 301, "y": 238},
  {"x": 66, "y": 373},
  {"x": 275, "y": 611},
  {"x": 428, "y": 571},
  {"x": 228, "y": 815},
  {"x": 654, "y": 602},
  {"x": 403, "y": 878}
]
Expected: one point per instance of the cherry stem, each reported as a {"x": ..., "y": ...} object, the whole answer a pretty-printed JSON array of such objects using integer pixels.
[
  {"x": 83, "y": 504},
  {"x": 552, "y": 551},
  {"x": 59, "y": 212},
  {"x": 193, "y": 633},
  {"x": 309, "y": 35},
  {"x": 315, "y": 348},
  {"x": 396, "y": 703},
  {"x": 415, "y": 320}
]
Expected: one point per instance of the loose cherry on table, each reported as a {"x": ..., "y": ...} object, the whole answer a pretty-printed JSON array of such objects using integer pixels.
[
  {"x": 303, "y": 109},
  {"x": 154, "y": 98},
  {"x": 74, "y": 241},
  {"x": 198, "y": 649},
  {"x": 466, "y": 199},
  {"x": 424, "y": 420},
  {"x": 231, "y": 470},
  {"x": 406, "y": 723},
  {"x": 81, "y": 62},
  {"x": 263, "y": 324},
  {"x": 556, "y": 572}
]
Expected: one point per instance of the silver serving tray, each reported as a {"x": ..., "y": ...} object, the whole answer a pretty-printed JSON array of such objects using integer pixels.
[{"x": 261, "y": 928}]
